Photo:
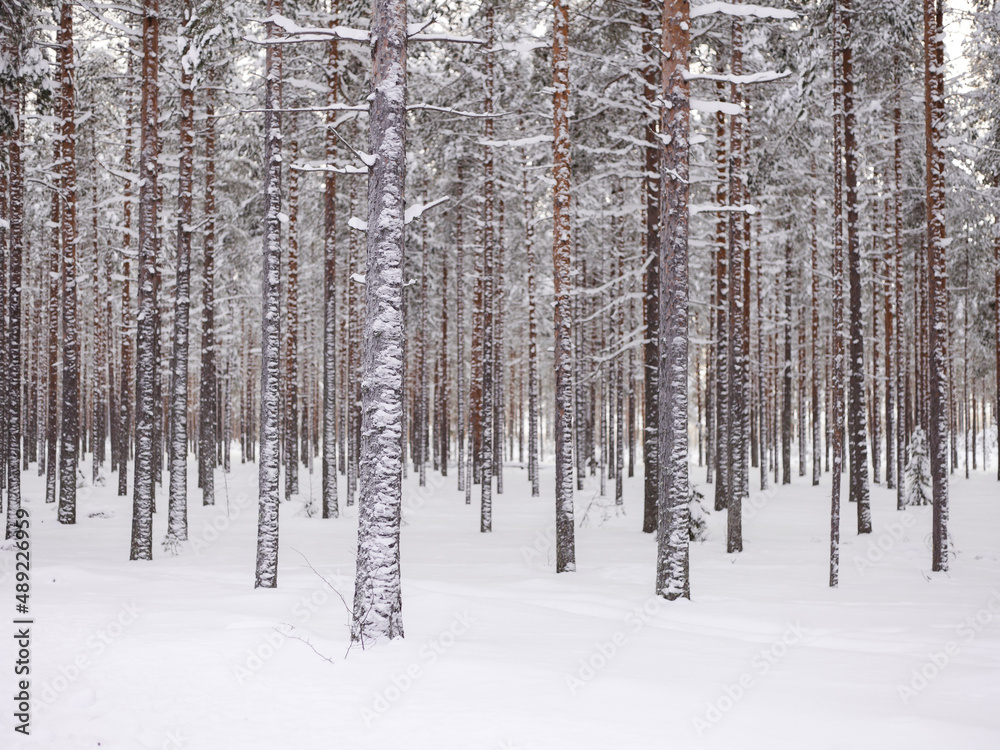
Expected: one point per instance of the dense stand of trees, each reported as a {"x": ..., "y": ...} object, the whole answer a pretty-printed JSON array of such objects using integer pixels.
[{"x": 773, "y": 246}]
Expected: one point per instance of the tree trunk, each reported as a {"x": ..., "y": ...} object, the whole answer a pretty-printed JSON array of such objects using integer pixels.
[
  {"x": 739, "y": 363},
  {"x": 69, "y": 421},
  {"x": 177, "y": 511},
  {"x": 55, "y": 294},
  {"x": 460, "y": 385},
  {"x": 672, "y": 525},
  {"x": 489, "y": 365},
  {"x": 565, "y": 546},
  {"x": 15, "y": 216},
  {"x": 270, "y": 349},
  {"x": 857, "y": 428},
  {"x": 145, "y": 364},
  {"x": 837, "y": 363},
  {"x": 377, "y": 598},
  {"x": 937, "y": 274},
  {"x": 531, "y": 262},
  {"x": 817, "y": 457},
  {"x": 206, "y": 398},
  {"x": 330, "y": 504},
  {"x": 291, "y": 374},
  {"x": 786, "y": 375},
  {"x": 651, "y": 293}
]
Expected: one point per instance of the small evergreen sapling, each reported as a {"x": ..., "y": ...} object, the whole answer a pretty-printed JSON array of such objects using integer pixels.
[
  {"x": 698, "y": 526},
  {"x": 918, "y": 476}
]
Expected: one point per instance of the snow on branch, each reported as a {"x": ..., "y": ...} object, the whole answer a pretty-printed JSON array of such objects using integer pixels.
[
  {"x": 449, "y": 111},
  {"x": 726, "y": 107},
  {"x": 355, "y": 223},
  {"x": 297, "y": 34},
  {"x": 518, "y": 142},
  {"x": 762, "y": 77},
  {"x": 731, "y": 9},
  {"x": 708, "y": 208},
  {"x": 417, "y": 209},
  {"x": 348, "y": 169},
  {"x": 445, "y": 38}
]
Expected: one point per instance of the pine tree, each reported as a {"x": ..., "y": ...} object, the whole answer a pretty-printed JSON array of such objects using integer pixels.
[
  {"x": 270, "y": 387},
  {"x": 377, "y": 595},
  {"x": 565, "y": 546},
  {"x": 672, "y": 400},
  {"x": 146, "y": 333}
]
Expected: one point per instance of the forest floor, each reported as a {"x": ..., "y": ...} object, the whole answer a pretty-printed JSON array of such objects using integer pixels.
[{"x": 500, "y": 652}]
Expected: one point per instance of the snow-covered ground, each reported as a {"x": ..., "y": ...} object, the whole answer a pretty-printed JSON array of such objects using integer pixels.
[{"x": 500, "y": 652}]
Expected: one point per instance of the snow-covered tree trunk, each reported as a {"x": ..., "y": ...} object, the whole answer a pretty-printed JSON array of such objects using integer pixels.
[
  {"x": 800, "y": 392},
  {"x": 531, "y": 262},
  {"x": 786, "y": 374},
  {"x": 499, "y": 353},
  {"x": 836, "y": 378},
  {"x": 738, "y": 358},
  {"x": 15, "y": 217},
  {"x": 52, "y": 344},
  {"x": 354, "y": 365},
  {"x": 876, "y": 392},
  {"x": 377, "y": 595},
  {"x": 488, "y": 413},
  {"x": 270, "y": 356},
  {"x": 460, "y": 385},
  {"x": 937, "y": 271},
  {"x": 330, "y": 504},
  {"x": 177, "y": 510},
  {"x": 856, "y": 417},
  {"x": 618, "y": 363},
  {"x": 721, "y": 287},
  {"x": 442, "y": 431},
  {"x": 291, "y": 374},
  {"x": 124, "y": 415},
  {"x": 207, "y": 383},
  {"x": 565, "y": 546},
  {"x": 889, "y": 302},
  {"x": 69, "y": 419},
  {"x": 146, "y": 329},
  {"x": 674, "y": 491},
  {"x": 817, "y": 457},
  {"x": 897, "y": 283},
  {"x": 651, "y": 292}
]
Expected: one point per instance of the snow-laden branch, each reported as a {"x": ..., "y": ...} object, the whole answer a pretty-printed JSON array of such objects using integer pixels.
[
  {"x": 411, "y": 214},
  {"x": 325, "y": 33},
  {"x": 448, "y": 111},
  {"x": 518, "y": 142},
  {"x": 445, "y": 38},
  {"x": 763, "y": 77},
  {"x": 708, "y": 208},
  {"x": 705, "y": 106},
  {"x": 744, "y": 11},
  {"x": 417, "y": 209},
  {"x": 348, "y": 169}
]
